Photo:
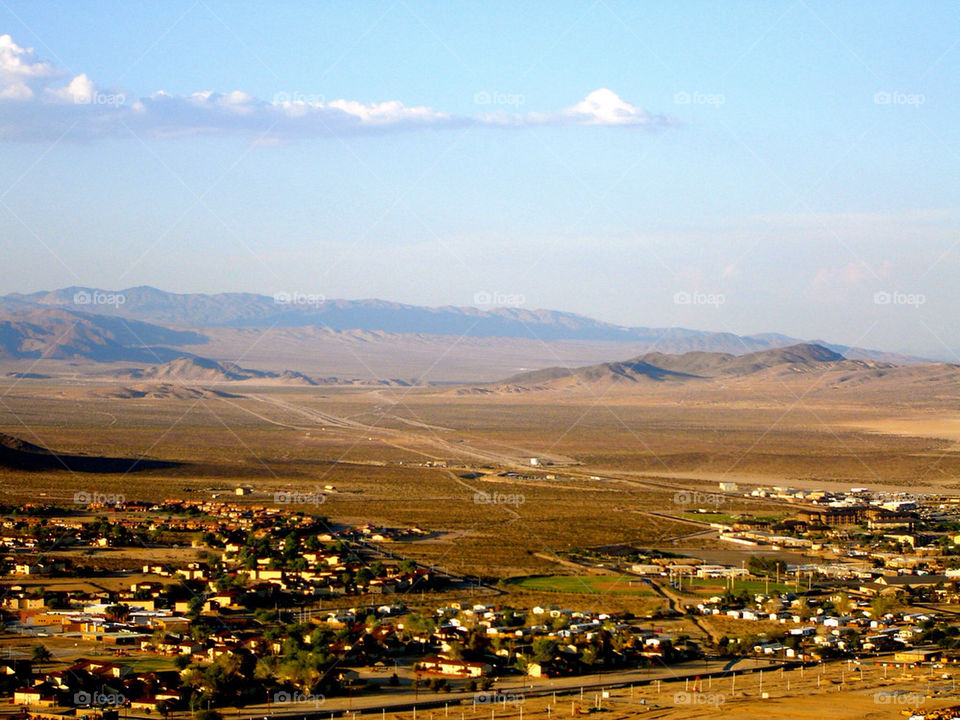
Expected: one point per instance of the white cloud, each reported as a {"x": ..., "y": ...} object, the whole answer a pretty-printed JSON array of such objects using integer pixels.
[
  {"x": 605, "y": 107},
  {"x": 36, "y": 105},
  {"x": 601, "y": 107},
  {"x": 20, "y": 71},
  {"x": 79, "y": 90}
]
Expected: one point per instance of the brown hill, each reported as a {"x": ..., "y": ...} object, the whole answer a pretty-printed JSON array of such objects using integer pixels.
[
  {"x": 705, "y": 364},
  {"x": 760, "y": 374},
  {"x": 204, "y": 370},
  {"x": 199, "y": 370},
  {"x": 63, "y": 334},
  {"x": 629, "y": 371},
  {"x": 660, "y": 367},
  {"x": 159, "y": 391}
]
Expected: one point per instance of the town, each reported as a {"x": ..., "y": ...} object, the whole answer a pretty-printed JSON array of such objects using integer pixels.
[{"x": 197, "y": 606}]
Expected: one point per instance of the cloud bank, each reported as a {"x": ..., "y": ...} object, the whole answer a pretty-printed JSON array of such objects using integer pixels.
[{"x": 39, "y": 102}]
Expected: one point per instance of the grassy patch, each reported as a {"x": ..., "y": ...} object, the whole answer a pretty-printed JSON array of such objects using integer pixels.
[{"x": 590, "y": 584}]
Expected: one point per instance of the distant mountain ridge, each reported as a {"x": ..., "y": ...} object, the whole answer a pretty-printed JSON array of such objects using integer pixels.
[
  {"x": 688, "y": 366},
  {"x": 249, "y": 310},
  {"x": 705, "y": 373}
]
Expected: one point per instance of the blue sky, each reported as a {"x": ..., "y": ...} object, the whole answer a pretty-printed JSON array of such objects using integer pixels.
[{"x": 746, "y": 167}]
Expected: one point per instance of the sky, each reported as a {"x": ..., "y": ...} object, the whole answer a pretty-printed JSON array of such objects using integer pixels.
[{"x": 747, "y": 167}]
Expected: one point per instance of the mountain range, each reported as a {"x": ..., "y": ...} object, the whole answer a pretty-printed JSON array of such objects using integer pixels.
[{"x": 138, "y": 322}]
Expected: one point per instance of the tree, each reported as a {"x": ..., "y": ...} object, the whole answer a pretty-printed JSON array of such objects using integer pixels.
[
  {"x": 882, "y": 605},
  {"x": 544, "y": 649},
  {"x": 772, "y": 606},
  {"x": 40, "y": 654},
  {"x": 118, "y": 612},
  {"x": 842, "y": 603},
  {"x": 291, "y": 546},
  {"x": 196, "y": 605},
  {"x": 182, "y": 662},
  {"x": 456, "y": 651},
  {"x": 416, "y": 624}
]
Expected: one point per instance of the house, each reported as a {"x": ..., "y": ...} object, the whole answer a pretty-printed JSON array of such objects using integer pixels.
[
  {"x": 916, "y": 655},
  {"x": 461, "y": 668},
  {"x": 557, "y": 667},
  {"x": 890, "y": 583},
  {"x": 30, "y": 569},
  {"x": 23, "y": 603},
  {"x": 42, "y": 694}
]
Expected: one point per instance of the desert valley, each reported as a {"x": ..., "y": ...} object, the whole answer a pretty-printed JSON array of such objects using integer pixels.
[{"x": 703, "y": 515}]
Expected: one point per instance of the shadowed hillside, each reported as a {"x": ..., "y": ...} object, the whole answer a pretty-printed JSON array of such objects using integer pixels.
[{"x": 17, "y": 454}]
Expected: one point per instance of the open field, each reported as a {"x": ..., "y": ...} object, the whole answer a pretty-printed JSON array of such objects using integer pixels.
[
  {"x": 614, "y": 471},
  {"x": 619, "y": 584},
  {"x": 623, "y": 459}
]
